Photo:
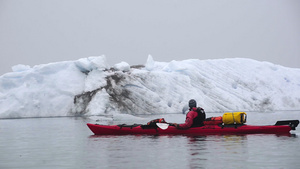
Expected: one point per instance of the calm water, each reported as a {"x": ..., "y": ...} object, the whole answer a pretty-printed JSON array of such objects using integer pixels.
[{"x": 68, "y": 143}]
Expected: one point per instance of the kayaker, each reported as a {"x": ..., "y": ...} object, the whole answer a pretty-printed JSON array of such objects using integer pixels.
[{"x": 194, "y": 117}]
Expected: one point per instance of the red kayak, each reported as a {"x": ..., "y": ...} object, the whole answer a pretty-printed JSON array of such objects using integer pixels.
[{"x": 281, "y": 127}]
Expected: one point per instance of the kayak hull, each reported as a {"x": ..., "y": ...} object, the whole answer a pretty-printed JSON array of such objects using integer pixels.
[{"x": 204, "y": 130}]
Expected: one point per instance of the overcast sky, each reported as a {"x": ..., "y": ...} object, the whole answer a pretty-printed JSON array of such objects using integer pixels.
[{"x": 37, "y": 32}]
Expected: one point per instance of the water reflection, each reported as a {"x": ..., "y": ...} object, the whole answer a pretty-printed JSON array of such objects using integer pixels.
[
  {"x": 197, "y": 146},
  {"x": 205, "y": 149},
  {"x": 212, "y": 151}
]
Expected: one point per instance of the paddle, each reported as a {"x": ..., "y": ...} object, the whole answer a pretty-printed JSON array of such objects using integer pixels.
[{"x": 162, "y": 126}]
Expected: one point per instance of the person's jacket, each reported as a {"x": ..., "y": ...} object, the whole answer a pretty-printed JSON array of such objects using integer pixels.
[{"x": 194, "y": 118}]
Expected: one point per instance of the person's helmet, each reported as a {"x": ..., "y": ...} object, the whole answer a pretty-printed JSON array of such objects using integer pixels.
[{"x": 192, "y": 103}]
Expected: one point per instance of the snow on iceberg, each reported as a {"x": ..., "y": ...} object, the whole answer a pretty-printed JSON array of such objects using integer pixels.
[
  {"x": 92, "y": 63},
  {"x": 123, "y": 66},
  {"x": 89, "y": 86},
  {"x": 20, "y": 68}
]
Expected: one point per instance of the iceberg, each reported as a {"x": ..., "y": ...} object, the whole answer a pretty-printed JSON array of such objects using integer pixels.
[{"x": 90, "y": 86}]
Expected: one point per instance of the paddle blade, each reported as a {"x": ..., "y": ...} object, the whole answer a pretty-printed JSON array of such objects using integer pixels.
[{"x": 163, "y": 126}]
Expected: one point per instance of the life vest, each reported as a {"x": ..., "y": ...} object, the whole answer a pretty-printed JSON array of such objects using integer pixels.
[{"x": 198, "y": 120}]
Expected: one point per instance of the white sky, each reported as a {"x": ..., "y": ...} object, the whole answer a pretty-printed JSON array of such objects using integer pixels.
[{"x": 36, "y": 32}]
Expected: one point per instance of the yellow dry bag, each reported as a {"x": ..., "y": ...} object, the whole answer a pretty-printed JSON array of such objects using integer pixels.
[{"x": 234, "y": 118}]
